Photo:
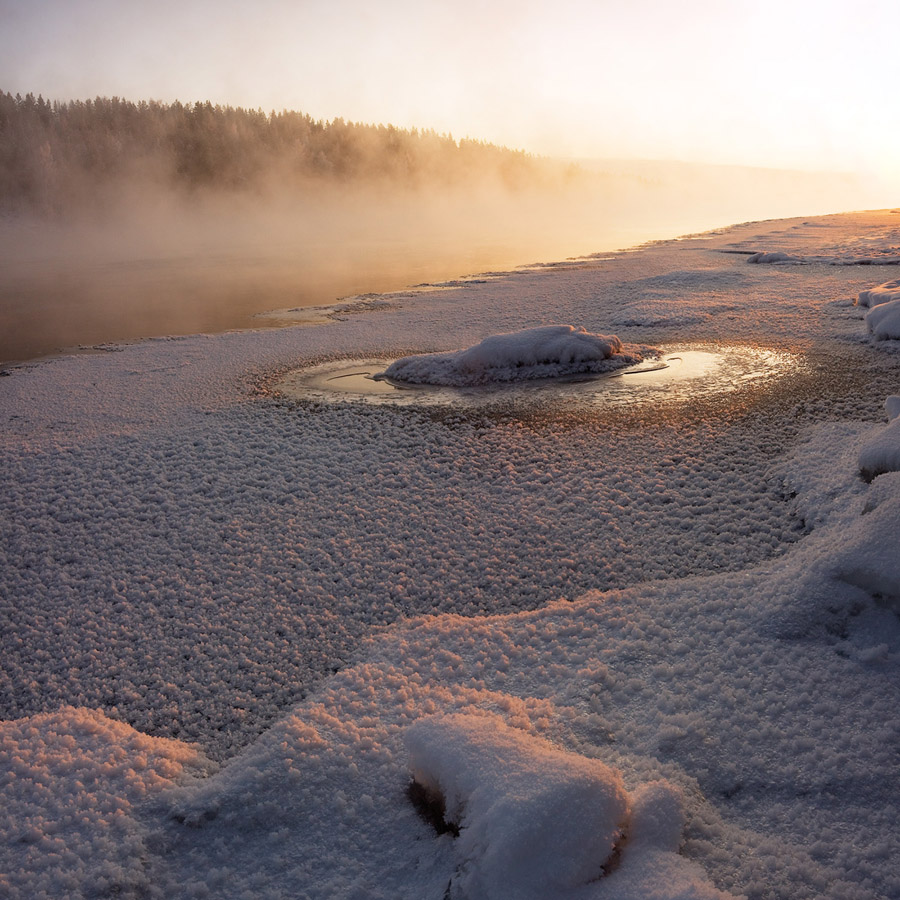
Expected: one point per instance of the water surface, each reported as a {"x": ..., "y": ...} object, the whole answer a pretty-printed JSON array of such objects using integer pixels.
[{"x": 678, "y": 374}]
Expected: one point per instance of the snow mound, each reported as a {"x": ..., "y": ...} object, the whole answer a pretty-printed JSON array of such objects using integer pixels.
[
  {"x": 774, "y": 257},
  {"x": 869, "y": 557},
  {"x": 883, "y": 320},
  {"x": 534, "y": 821},
  {"x": 881, "y": 453},
  {"x": 876, "y": 296},
  {"x": 550, "y": 351}
]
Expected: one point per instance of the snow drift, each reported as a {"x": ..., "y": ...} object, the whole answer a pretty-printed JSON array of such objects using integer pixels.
[
  {"x": 71, "y": 786},
  {"x": 550, "y": 351}
]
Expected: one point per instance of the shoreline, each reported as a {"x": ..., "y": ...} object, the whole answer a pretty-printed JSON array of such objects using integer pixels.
[
  {"x": 120, "y": 299},
  {"x": 195, "y": 568},
  {"x": 110, "y": 337}
]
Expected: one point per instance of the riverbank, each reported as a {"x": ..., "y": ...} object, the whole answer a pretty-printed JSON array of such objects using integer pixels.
[{"x": 700, "y": 593}]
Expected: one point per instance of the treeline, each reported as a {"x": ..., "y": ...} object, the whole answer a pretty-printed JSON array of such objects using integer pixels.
[{"x": 55, "y": 156}]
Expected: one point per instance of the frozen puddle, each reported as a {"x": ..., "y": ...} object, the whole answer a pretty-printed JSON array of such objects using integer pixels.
[{"x": 677, "y": 374}]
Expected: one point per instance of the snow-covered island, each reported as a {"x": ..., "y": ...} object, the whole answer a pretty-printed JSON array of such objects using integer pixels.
[
  {"x": 634, "y": 644},
  {"x": 549, "y": 351}
]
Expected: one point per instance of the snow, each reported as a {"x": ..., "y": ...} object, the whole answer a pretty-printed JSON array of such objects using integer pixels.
[
  {"x": 551, "y": 351},
  {"x": 642, "y": 647},
  {"x": 72, "y": 783},
  {"x": 881, "y": 453},
  {"x": 883, "y": 320},
  {"x": 534, "y": 821},
  {"x": 883, "y": 293},
  {"x": 775, "y": 257}
]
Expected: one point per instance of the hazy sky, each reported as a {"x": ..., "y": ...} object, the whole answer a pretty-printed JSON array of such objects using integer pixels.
[{"x": 781, "y": 83}]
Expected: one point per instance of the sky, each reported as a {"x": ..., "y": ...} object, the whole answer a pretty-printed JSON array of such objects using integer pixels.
[{"x": 791, "y": 84}]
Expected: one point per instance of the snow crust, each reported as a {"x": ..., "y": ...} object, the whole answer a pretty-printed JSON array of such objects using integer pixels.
[
  {"x": 551, "y": 351},
  {"x": 687, "y": 612}
]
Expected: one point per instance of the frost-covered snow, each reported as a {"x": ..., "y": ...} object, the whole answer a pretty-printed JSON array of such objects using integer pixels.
[
  {"x": 668, "y": 624},
  {"x": 73, "y": 782},
  {"x": 549, "y": 351}
]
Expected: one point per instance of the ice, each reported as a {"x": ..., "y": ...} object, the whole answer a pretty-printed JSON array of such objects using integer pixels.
[{"x": 551, "y": 351}]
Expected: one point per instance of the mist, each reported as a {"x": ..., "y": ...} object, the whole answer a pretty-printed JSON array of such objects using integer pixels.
[{"x": 123, "y": 221}]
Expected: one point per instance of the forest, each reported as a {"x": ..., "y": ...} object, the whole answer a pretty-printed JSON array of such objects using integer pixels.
[{"x": 57, "y": 157}]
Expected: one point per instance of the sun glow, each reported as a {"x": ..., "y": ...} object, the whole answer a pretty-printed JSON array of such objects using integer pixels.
[{"x": 739, "y": 83}]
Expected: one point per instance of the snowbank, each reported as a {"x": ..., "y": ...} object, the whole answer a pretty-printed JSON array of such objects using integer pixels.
[
  {"x": 876, "y": 296},
  {"x": 550, "y": 351},
  {"x": 883, "y": 320},
  {"x": 870, "y": 553},
  {"x": 881, "y": 453}
]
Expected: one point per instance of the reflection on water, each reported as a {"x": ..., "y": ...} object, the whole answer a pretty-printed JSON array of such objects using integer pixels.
[
  {"x": 677, "y": 375},
  {"x": 216, "y": 269}
]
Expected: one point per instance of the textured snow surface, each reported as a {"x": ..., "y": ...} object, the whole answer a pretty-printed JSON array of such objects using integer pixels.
[
  {"x": 551, "y": 351},
  {"x": 683, "y": 607},
  {"x": 71, "y": 784}
]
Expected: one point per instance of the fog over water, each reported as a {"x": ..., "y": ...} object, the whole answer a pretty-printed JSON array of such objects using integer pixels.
[{"x": 151, "y": 261}]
